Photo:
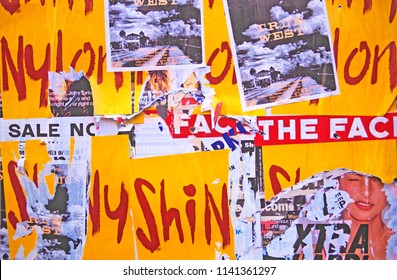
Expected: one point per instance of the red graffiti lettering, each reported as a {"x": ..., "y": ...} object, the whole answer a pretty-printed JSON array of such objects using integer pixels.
[
  {"x": 274, "y": 171},
  {"x": 118, "y": 80},
  {"x": 101, "y": 61},
  {"x": 154, "y": 242},
  {"x": 59, "y": 60},
  {"x": 71, "y": 3},
  {"x": 89, "y": 6},
  {"x": 120, "y": 213},
  {"x": 17, "y": 73},
  {"x": 25, "y": 57},
  {"x": 88, "y": 48},
  {"x": 13, "y": 6},
  {"x": 151, "y": 240},
  {"x": 190, "y": 209},
  {"x": 35, "y": 176},
  {"x": 94, "y": 207},
  {"x": 376, "y": 57},
  {"x": 19, "y": 195},
  {"x": 76, "y": 58},
  {"x": 355, "y": 80},
  {"x": 393, "y": 10},
  {"x": 336, "y": 46},
  {"x": 223, "y": 222},
  {"x": 169, "y": 215},
  {"x": 214, "y": 80},
  {"x": 41, "y": 73},
  {"x": 139, "y": 78}
]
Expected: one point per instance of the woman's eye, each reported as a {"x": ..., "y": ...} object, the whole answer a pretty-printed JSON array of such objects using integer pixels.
[
  {"x": 376, "y": 180},
  {"x": 354, "y": 178}
]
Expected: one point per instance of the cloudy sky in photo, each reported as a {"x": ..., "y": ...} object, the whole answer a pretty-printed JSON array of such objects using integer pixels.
[
  {"x": 258, "y": 56},
  {"x": 131, "y": 20}
]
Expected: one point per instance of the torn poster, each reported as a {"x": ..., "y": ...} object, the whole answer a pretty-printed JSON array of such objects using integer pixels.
[
  {"x": 164, "y": 207},
  {"x": 55, "y": 209},
  {"x": 157, "y": 137},
  {"x": 70, "y": 94},
  {"x": 160, "y": 91},
  {"x": 46, "y": 199},
  {"x": 283, "y": 50},
  {"x": 63, "y": 34},
  {"x": 338, "y": 214},
  {"x": 158, "y": 84},
  {"x": 307, "y": 129},
  {"x": 47, "y": 129},
  {"x": 154, "y": 35},
  {"x": 4, "y": 246}
]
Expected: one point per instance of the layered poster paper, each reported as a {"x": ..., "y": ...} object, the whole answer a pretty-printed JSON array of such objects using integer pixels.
[
  {"x": 156, "y": 85},
  {"x": 282, "y": 50},
  {"x": 338, "y": 214},
  {"x": 192, "y": 133},
  {"x": 45, "y": 199},
  {"x": 154, "y": 34},
  {"x": 53, "y": 61}
]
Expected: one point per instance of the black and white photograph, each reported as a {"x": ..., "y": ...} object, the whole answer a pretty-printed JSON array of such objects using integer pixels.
[
  {"x": 154, "y": 34},
  {"x": 282, "y": 50}
]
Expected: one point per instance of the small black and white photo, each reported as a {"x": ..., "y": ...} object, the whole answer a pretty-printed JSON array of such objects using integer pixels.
[
  {"x": 154, "y": 34},
  {"x": 283, "y": 50}
]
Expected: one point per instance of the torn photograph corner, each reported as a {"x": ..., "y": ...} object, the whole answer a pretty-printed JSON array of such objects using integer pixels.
[
  {"x": 154, "y": 35},
  {"x": 283, "y": 50},
  {"x": 340, "y": 214},
  {"x": 70, "y": 94},
  {"x": 158, "y": 84}
]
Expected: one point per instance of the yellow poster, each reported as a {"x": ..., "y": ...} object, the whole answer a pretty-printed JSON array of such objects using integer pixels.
[
  {"x": 219, "y": 57},
  {"x": 168, "y": 207},
  {"x": 181, "y": 210},
  {"x": 87, "y": 175},
  {"x": 364, "y": 39},
  {"x": 110, "y": 221},
  {"x": 42, "y": 44},
  {"x": 156, "y": 208},
  {"x": 283, "y": 168},
  {"x": 22, "y": 185}
]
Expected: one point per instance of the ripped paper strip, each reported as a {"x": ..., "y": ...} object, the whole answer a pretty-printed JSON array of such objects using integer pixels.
[{"x": 338, "y": 214}]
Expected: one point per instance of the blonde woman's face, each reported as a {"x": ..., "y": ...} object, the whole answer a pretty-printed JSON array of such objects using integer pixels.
[{"x": 369, "y": 198}]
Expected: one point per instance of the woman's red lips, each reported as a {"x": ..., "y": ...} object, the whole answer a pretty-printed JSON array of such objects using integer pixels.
[{"x": 363, "y": 205}]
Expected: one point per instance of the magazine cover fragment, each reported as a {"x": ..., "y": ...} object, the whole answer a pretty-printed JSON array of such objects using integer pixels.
[
  {"x": 333, "y": 215},
  {"x": 153, "y": 35},
  {"x": 283, "y": 50}
]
